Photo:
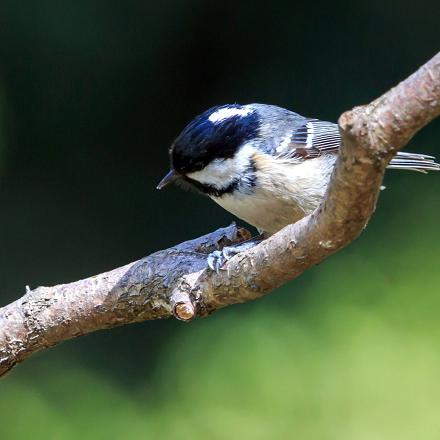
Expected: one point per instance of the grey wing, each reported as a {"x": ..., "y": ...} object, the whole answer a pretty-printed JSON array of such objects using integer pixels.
[{"x": 312, "y": 138}]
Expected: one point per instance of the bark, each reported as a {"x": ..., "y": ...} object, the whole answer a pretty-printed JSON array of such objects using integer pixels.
[{"x": 176, "y": 281}]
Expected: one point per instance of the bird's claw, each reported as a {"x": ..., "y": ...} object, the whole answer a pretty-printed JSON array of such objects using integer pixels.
[{"x": 217, "y": 259}]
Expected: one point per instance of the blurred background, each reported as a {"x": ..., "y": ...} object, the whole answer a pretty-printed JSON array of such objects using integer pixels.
[{"x": 92, "y": 93}]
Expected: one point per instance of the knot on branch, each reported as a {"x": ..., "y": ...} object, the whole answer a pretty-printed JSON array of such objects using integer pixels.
[{"x": 185, "y": 304}]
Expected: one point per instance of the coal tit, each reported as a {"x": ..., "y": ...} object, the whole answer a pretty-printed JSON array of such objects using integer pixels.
[{"x": 265, "y": 164}]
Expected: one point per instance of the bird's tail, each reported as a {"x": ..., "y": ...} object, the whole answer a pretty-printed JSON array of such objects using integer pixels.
[{"x": 414, "y": 162}]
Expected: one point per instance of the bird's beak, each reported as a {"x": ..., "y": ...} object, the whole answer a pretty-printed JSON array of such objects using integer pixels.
[{"x": 170, "y": 177}]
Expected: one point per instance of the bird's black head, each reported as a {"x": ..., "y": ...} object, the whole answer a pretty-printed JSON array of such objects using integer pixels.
[{"x": 215, "y": 134}]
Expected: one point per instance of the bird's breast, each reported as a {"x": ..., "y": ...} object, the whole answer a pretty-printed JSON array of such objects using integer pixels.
[{"x": 283, "y": 193}]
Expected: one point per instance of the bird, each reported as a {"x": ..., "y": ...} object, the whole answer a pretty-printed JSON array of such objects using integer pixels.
[{"x": 266, "y": 165}]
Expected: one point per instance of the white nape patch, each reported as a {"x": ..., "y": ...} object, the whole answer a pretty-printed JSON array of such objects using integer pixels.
[
  {"x": 225, "y": 113},
  {"x": 310, "y": 130},
  {"x": 220, "y": 173}
]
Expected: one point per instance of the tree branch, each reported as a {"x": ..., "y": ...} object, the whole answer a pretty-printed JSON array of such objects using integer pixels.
[{"x": 176, "y": 281}]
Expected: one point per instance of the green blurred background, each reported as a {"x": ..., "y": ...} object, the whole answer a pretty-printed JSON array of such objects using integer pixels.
[{"x": 91, "y": 95}]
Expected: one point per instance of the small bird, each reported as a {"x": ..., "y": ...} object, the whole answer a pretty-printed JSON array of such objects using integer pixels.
[{"x": 266, "y": 165}]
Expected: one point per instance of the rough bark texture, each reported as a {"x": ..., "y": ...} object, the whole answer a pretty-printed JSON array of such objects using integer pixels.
[
  {"x": 176, "y": 282},
  {"x": 135, "y": 292}
]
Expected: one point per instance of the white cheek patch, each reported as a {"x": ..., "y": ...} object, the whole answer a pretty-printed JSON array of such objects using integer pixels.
[
  {"x": 225, "y": 113},
  {"x": 217, "y": 173},
  {"x": 221, "y": 172}
]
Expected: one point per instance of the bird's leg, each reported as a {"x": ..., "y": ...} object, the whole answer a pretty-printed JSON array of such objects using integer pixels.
[{"x": 217, "y": 259}]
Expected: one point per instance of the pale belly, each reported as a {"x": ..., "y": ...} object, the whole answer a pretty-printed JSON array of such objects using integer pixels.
[
  {"x": 262, "y": 211},
  {"x": 282, "y": 195}
]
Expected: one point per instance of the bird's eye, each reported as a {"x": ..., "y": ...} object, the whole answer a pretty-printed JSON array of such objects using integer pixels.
[{"x": 197, "y": 166}]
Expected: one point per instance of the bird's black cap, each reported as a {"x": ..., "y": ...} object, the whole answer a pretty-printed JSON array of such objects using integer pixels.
[{"x": 216, "y": 133}]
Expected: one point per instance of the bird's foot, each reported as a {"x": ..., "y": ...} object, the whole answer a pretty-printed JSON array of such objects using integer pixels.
[{"x": 217, "y": 259}]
